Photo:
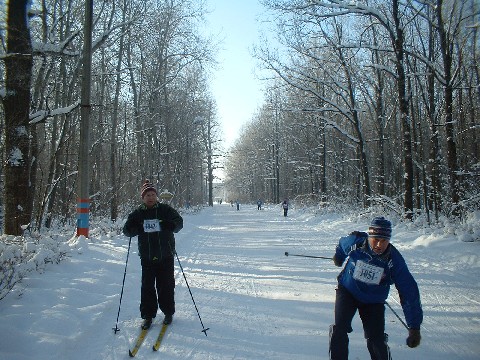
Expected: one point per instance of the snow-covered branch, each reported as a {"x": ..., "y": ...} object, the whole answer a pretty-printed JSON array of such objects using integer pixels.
[{"x": 43, "y": 115}]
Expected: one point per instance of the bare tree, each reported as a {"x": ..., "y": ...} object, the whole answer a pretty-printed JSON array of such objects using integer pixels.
[
  {"x": 19, "y": 174},
  {"x": 113, "y": 137},
  {"x": 132, "y": 122},
  {"x": 447, "y": 51}
]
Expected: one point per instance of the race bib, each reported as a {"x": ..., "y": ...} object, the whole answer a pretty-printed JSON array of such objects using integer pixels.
[
  {"x": 152, "y": 225},
  {"x": 369, "y": 274}
]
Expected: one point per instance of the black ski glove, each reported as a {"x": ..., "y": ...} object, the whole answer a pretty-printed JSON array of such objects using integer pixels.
[
  {"x": 337, "y": 262},
  {"x": 413, "y": 339},
  {"x": 130, "y": 231},
  {"x": 167, "y": 225}
]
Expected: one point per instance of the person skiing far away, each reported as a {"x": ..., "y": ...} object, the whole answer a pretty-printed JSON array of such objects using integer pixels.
[
  {"x": 372, "y": 265},
  {"x": 155, "y": 224},
  {"x": 259, "y": 204},
  {"x": 285, "y": 207}
]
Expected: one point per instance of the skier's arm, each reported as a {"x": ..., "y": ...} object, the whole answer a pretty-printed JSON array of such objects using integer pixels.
[
  {"x": 131, "y": 227},
  {"x": 173, "y": 222},
  {"x": 408, "y": 290},
  {"x": 345, "y": 245},
  {"x": 409, "y": 298}
]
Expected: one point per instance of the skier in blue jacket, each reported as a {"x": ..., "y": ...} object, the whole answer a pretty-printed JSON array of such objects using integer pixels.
[{"x": 373, "y": 264}]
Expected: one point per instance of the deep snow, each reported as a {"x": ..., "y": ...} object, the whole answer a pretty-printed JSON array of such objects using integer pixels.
[{"x": 258, "y": 303}]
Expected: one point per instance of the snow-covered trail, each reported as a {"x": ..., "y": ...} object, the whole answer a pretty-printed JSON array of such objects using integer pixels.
[{"x": 258, "y": 303}]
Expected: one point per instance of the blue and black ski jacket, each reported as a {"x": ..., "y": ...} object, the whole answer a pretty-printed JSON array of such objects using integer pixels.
[{"x": 368, "y": 276}]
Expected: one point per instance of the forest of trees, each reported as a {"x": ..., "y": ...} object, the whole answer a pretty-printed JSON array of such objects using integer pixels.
[
  {"x": 369, "y": 103},
  {"x": 151, "y": 112}
]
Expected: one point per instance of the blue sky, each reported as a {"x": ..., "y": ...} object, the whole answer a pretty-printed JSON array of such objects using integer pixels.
[{"x": 236, "y": 91}]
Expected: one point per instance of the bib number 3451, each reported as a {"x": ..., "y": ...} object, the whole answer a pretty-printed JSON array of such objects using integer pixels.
[{"x": 367, "y": 273}]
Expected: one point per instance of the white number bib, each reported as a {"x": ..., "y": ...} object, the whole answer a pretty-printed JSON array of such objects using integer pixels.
[
  {"x": 152, "y": 225},
  {"x": 369, "y": 274}
]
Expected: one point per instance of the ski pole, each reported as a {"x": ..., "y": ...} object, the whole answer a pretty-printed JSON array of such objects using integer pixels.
[
  {"x": 398, "y": 317},
  {"x": 309, "y": 256},
  {"x": 116, "y": 329},
  {"x": 191, "y": 295}
]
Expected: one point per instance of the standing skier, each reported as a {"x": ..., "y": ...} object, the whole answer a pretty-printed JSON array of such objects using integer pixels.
[
  {"x": 373, "y": 265},
  {"x": 155, "y": 223},
  {"x": 285, "y": 207}
]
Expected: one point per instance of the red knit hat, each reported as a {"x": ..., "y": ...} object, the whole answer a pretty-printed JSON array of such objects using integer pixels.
[{"x": 147, "y": 186}]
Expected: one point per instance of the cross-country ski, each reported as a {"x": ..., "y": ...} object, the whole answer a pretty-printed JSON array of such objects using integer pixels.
[{"x": 160, "y": 336}]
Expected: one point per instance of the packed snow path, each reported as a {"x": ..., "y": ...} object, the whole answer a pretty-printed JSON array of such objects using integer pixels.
[{"x": 258, "y": 303}]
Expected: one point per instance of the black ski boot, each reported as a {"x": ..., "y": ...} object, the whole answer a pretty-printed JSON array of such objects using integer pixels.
[
  {"x": 146, "y": 324},
  {"x": 168, "y": 319}
]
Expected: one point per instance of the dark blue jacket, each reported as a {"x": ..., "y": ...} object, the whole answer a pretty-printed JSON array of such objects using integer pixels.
[
  {"x": 155, "y": 228},
  {"x": 363, "y": 277}
]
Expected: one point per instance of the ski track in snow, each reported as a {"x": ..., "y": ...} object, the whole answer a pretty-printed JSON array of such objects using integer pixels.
[{"x": 257, "y": 302}]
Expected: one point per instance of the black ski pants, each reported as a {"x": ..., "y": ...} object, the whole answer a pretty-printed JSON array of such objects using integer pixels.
[
  {"x": 373, "y": 319},
  {"x": 158, "y": 288}
]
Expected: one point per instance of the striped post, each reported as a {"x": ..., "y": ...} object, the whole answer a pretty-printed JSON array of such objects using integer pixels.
[{"x": 83, "y": 208}]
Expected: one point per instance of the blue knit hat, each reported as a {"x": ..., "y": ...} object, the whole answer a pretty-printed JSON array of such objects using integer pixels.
[{"x": 380, "y": 228}]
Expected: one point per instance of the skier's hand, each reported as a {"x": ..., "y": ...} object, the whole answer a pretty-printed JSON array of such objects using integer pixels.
[
  {"x": 337, "y": 262},
  {"x": 130, "y": 231},
  {"x": 167, "y": 225},
  {"x": 413, "y": 339}
]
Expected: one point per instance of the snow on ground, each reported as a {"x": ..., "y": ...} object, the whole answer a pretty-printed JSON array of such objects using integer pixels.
[{"x": 257, "y": 302}]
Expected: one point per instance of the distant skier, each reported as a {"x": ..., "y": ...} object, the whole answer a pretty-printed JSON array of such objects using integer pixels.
[
  {"x": 155, "y": 223},
  {"x": 238, "y": 204},
  {"x": 259, "y": 204},
  {"x": 373, "y": 264},
  {"x": 285, "y": 207}
]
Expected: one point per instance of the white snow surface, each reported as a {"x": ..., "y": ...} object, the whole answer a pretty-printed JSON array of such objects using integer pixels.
[{"x": 256, "y": 302}]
